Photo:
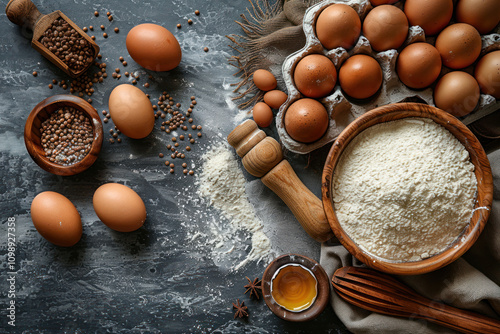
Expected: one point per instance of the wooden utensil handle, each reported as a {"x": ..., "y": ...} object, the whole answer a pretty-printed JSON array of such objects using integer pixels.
[
  {"x": 306, "y": 207},
  {"x": 460, "y": 320},
  {"x": 381, "y": 293},
  {"x": 262, "y": 157},
  {"x": 23, "y": 13}
]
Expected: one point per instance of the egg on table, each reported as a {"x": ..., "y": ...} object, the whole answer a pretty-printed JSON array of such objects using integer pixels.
[
  {"x": 264, "y": 80},
  {"x": 131, "y": 111},
  {"x": 119, "y": 207},
  {"x": 153, "y": 47},
  {"x": 56, "y": 219},
  {"x": 275, "y": 98},
  {"x": 262, "y": 114}
]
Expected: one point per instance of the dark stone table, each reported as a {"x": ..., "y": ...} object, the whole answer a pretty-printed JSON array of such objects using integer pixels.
[{"x": 164, "y": 277}]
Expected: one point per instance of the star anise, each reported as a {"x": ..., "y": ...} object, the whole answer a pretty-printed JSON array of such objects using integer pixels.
[
  {"x": 253, "y": 287},
  {"x": 241, "y": 309}
]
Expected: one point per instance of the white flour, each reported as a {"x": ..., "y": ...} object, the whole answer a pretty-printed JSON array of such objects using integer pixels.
[
  {"x": 223, "y": 183},
  {"x": 404, "y": 190}
]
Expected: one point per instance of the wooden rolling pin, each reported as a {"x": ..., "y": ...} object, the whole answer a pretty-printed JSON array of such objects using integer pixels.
[
  {"x": 25, "y": 14},
  {"x": 381, "y": 293},
  {"x": 262, "y": 157}
]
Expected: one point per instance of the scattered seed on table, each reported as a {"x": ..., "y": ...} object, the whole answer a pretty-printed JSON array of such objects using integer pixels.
[
  {"x": 172, "y": 165},
  {"x": 105, "y": 120},
  {"x": 178, "y": 25},
  {"x": 190, "y": 21},
  {"x": 167, "y": 163},
  {"x": 205, "y": 49},
  {"x": 191, "y": 172},
  {"x": 124, "y": 63},
  {"x": 146, "y": 85},
  {"x": 197, "y": 12},
  {"x": 192, "y": 141},
  {"x": 105, "y": 35},
  {"x": 134, "y": 82},
  {"x": 102, "y": 26},
  {"x": 51, "y": 86},
  {"x": 185, "y": 171},
  {"x": 176, "y": 144},
  {"x": 188, "y": 148},
  {"x": 110, "y": 18},
  {"x": 121, "y": 58},
  {"x": 172, "y": 171},
  {"x": 111, "y": 140},
  {"x": 119, "y": 140},
  {"x": 117, "y": 30},
  {"x": 96, "y": 13},
  {"x": 92, "y": 37},
  {"x": 85, "y": 29},
  {"x": 184, "y": 165},
  {"x": 199, "y": 134},
  {"x": 91, "y": 27},
  {"x": 108, "y": 13}
]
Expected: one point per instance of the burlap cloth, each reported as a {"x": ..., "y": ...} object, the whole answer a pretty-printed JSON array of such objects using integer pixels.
[{"x": 271, "y": 32}]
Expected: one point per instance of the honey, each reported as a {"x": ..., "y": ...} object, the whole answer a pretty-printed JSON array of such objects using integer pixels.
[{"x": 294, "y": 287}]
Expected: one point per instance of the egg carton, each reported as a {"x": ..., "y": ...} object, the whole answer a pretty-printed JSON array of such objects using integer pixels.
[{"x": 342, "y": 109}]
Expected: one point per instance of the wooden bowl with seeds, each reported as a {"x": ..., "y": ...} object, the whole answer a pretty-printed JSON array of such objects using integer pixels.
[{"x": 63, "y": 134}]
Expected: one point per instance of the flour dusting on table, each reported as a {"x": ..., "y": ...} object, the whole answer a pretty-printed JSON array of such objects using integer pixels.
[{"x": 222, "y": 182}]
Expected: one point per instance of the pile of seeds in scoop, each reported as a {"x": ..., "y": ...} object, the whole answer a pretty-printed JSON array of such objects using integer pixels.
[
  {"x": 66, "y": 136},
  {"x": 68, "y": 45}
]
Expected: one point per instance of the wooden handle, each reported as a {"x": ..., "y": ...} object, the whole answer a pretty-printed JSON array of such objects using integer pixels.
[
  {"x": 377, "y": 292},
  {"x": 23, "y": 13},
  {"x": 262, "y": 157},
  {"x": 306, "y": 207}
]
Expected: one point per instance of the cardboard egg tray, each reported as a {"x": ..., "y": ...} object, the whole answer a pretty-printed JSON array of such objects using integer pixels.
[{"x": 342, "y": 109}]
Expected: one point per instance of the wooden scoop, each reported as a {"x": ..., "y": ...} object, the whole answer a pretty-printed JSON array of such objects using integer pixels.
[
  {"x": 384, "y": 294},
  {"x": 25, "y": 14},
  {"x": 262, "y": 157}
]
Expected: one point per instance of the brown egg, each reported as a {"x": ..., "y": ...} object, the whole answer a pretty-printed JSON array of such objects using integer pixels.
[
  {"x": 262, "y": 114},
  {"x": 56, "y": 219},
  {"x": 306, "y": 120},
  {"x": 119, "y": 207},
  {"x": 264, "y": 80},
  {"x": 338, "y": 25},
  {"x": 153, "y": 47},
  {"x": 418, "y": 65},
  {"x": 483, "y": 15},
  {"x": 275, "y": 98},
  {"x": 315, "y": 76},
  {"x": 131, "y": 111},
  {"x": 431, "y": 15},
  {"x": 360, "y": 76},
  {"x": 386, "y": 27},
  {"x": 459, "y": 45},
  {"x": 382, "y": 2},
  {"x": 457, "y": 93},
  {"x": 487, "y": 74}
]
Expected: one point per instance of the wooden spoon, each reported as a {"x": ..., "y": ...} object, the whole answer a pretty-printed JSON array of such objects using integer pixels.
[
  {"x": 384, "y": 294},
  {"x": 25, "y": 14},
  {"x": 262, "y": 157}
]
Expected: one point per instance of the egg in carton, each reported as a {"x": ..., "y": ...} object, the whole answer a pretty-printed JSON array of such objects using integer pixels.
[{"x": 342, "y": 109}]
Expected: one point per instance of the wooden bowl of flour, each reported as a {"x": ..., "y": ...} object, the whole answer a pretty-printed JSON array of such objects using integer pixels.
[{"x": 372, "y": 244}]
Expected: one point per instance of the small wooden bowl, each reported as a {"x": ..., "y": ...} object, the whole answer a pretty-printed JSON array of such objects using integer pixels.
[
  {"x": 323, "y": 288},
  {"x": 40, "y": 113},
  {"x": 477, "y": 157}
]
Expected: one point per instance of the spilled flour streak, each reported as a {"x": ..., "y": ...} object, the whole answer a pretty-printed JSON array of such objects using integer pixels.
[{"x": 222, "y": 182}]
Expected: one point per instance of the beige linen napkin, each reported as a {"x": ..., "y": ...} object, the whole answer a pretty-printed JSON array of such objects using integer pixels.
[{"x": 272, "y": 32}]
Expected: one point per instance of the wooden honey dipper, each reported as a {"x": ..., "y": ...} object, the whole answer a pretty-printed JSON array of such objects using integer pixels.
[{"x": 262, "y": 157}]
